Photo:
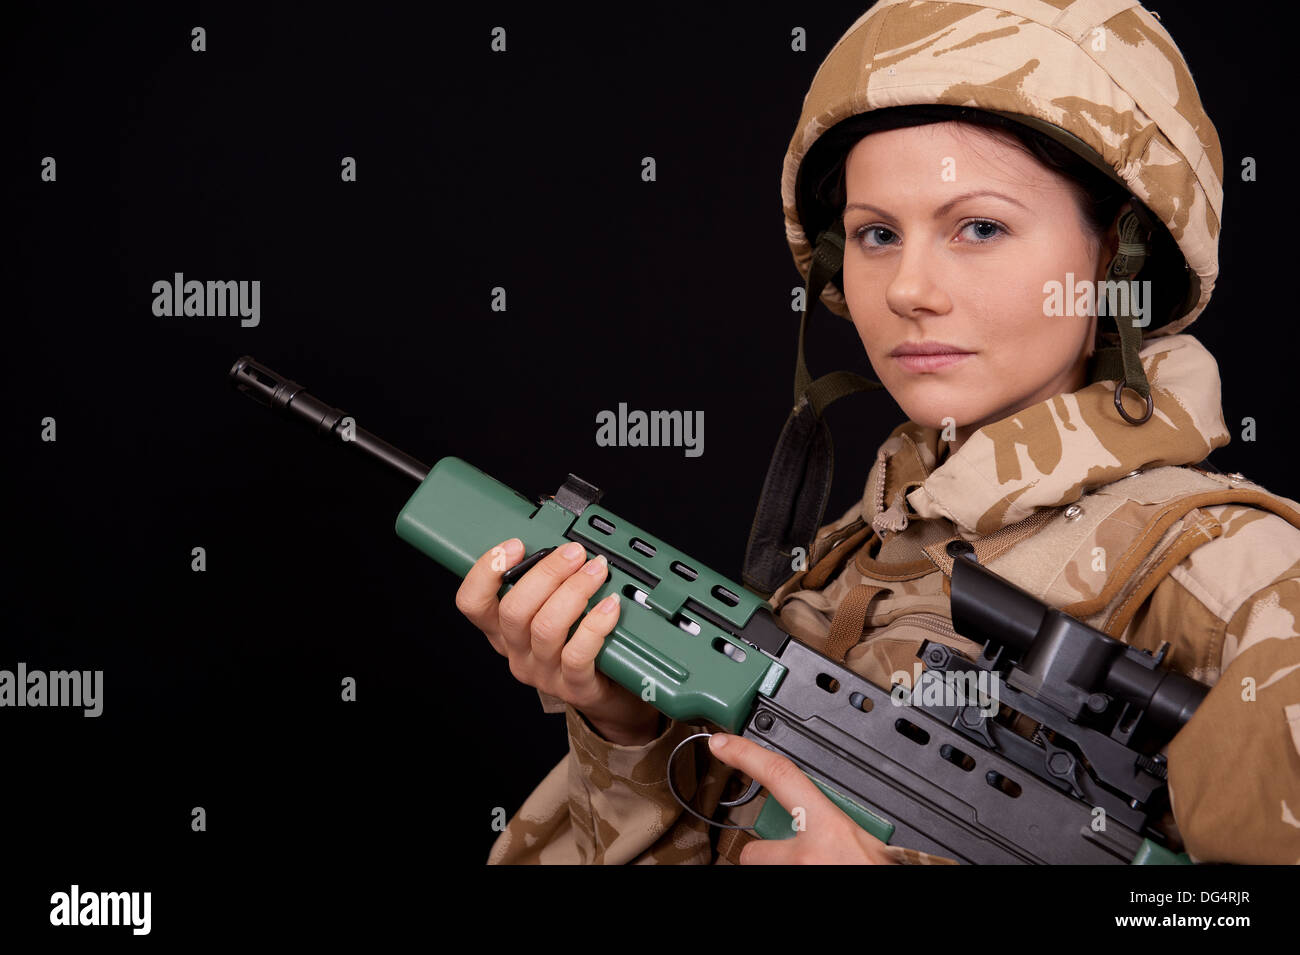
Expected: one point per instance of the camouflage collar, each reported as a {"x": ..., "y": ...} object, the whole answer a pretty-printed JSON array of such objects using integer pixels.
[{"x": 1053, "y": 452}]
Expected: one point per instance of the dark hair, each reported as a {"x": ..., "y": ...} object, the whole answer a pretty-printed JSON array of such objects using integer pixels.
[{"x": 821, "y": 193}]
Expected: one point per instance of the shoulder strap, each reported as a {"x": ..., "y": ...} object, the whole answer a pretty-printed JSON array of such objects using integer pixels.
[{"x": 1137, "y": 587}]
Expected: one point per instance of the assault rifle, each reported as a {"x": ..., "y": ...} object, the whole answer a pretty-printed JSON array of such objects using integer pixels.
[{"x": 944, "y": 775}]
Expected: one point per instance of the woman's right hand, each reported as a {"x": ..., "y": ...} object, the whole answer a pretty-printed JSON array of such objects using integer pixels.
[{"x": 530, "y": 626}]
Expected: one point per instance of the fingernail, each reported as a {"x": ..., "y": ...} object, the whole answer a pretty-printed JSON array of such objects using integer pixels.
[
  {"x": 717, "y": 741},
  {"x": 514, "y": 548},
  {"x": 608, "y": 604},
  {"x": 596, "y": 566},
  {"x": 572, "y": 550}
]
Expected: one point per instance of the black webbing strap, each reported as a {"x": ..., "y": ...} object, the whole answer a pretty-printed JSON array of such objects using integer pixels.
[{"x": 798, "y": 481}]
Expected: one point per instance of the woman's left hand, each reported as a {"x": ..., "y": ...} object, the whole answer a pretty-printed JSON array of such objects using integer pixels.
[{"x": 828, "y": 836}]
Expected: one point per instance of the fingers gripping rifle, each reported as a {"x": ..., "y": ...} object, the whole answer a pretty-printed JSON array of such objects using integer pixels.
[{"x": 946, "y": 776}]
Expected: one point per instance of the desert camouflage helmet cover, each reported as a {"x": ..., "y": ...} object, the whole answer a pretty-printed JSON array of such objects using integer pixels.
[{"x": 1104, "y": 71}]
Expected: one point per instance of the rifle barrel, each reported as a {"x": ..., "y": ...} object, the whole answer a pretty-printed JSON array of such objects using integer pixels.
[{"x": 281, "y": 394}]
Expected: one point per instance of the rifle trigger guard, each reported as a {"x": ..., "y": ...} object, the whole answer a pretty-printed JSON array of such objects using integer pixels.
[{"x": 753, "y": 790}]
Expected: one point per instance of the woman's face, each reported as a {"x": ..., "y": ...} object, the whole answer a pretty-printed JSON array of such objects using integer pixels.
[{"x": 950, "y": 235}]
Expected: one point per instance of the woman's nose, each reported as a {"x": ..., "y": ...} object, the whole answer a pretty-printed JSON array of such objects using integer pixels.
[{"x": 915, "y": 287}]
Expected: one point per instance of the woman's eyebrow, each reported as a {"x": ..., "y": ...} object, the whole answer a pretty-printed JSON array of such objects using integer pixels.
[{"x": 946, "y": 207}]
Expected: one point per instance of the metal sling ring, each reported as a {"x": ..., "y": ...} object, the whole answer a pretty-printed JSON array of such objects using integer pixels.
[
  {"x": 1119, "y": 404},
  {"x": 749, "y": 793}
]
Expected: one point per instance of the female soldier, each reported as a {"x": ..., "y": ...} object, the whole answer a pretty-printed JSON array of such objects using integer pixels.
[{"x": 973, "y": 172}]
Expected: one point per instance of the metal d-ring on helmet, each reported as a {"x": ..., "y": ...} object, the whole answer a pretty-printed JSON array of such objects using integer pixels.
[{"x": 1101, "y": 77}]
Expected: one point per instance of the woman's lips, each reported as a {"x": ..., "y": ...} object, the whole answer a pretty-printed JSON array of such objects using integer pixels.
[{"x": 931, "y": 362}]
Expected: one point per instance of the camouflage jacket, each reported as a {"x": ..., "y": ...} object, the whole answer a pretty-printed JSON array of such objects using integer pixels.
[{"x": 1224, "y": 592}]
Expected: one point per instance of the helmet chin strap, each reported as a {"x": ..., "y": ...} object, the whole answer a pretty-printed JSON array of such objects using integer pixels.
[
  {"x": 798, "y": 482},
  {"x": 1122, "y": 363}
]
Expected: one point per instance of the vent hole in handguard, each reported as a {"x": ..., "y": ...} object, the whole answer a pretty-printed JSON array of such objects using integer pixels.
[{"x": 729, "y": 649}]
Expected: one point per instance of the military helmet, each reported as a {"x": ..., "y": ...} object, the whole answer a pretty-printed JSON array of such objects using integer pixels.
[{"x": 1102, "y": 77}]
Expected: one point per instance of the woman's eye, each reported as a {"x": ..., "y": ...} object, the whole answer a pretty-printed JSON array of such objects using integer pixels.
[
  {"x": 879, "y": 236},
  {"x": 982, "y": 230}
]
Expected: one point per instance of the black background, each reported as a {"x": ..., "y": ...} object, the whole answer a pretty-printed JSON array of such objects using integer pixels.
[{"x": 475, "y": 169}]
